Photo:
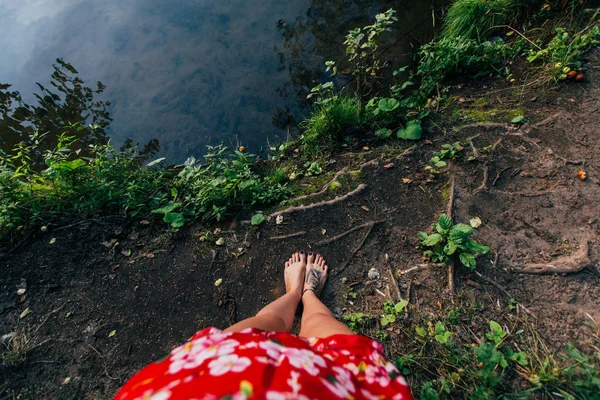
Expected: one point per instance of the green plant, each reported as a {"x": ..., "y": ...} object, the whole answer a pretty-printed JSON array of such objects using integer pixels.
[
  {"x": 355, "y": 321},
  {"x": 564, "y": 52},
  {"x": 451, "y": 242},
  {"x": 257, "y": 219},
  {"x": 447, "y": 152},
  {"x": 325, "y": 127},
  {"x": 175, "y": 219},
  {"x": 474, "y": 19},
  {"x": 362, "y": 49},
  {"x": 391, "y": 311}
]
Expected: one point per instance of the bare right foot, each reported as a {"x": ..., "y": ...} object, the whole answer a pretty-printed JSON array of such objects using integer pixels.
[{"x": 316, "y": 274}]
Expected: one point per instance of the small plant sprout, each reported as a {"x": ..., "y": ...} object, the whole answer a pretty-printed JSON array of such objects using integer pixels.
[
  {"x": 391, "y": 311},
  {"x": 450, "y": 243}
]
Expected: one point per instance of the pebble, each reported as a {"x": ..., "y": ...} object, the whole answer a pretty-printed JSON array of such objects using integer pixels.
[{"x": 373, "y": 274}]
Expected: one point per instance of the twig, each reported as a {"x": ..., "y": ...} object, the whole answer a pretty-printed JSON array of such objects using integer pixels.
[
  {"x": 360, "y": 245},
  {"x": 407, "y": 298},
  {"x": 484, "y": 125},
  {"x": 369, "y": 224},
  {"x": 359, "y": 189},
  {"x": 517, "y": 32},
  {"x": 291, "y": 235},
  {"x": 475, "y": 152},
  {"x": 484, "y": 182},
  {"x": 499, "y": 174},
  {"x": 451, "y": 278},
  {"x": 526, "y": 194},
  {"x": 547, "y": 120},
  {"x": 450, "y": 199},
  {"x": 393, "y": 279},
  {"x": 421, "y": 266},
  {"x": 103, "y": 363},
  {"x": 212, "y": 262},
  {"x": 323, "y": 189},
  {"x": 566, "y": 161},
  {"x": 504, "y": 291}
]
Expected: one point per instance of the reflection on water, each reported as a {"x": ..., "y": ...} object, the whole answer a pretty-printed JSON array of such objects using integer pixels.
[{"x": 193, "y": 72}]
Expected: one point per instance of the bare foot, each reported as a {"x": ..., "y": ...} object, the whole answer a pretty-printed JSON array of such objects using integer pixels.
[
  {"x": 316, "y": 274},
  {"x": 294, "y": 272}
]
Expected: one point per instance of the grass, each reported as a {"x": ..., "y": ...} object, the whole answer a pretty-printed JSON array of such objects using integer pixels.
[
  {"x": 474, "y": 19},
  {"x": 16, "y": 346},
  {"x": 325, "y": 127}
]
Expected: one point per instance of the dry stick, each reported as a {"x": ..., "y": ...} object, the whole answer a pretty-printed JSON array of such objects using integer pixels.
[
  {"x": 497, "y": 286},
  {"x": 369, "y": 224},
  {"x": 393, "y": 279},
  {"x": 484, "y": 125},
  {"x": 525, "y": 194},
  {"x": 499, "y": 174},
  {"x": 484, "y": 182},
  {"x": 407, "y": 298},
  {"x": 291, "y": 235},
  {"x": 548, "y": 120},
  {"x": 566, "y": 160},
  {"x": 323, "y": 189},
  {"x": 359, "y": 189},
  {"x": 449, "y": 214},
  {"x": 475, "y": 152},
  {"x": 422, "y": 266},
  {"x": 360, "y": 245}
]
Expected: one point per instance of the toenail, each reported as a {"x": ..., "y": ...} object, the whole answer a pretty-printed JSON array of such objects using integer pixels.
[{"x": 301, "y": 252}]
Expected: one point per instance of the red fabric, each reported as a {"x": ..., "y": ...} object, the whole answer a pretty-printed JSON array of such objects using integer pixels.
[{"x": 255, "y": 364}]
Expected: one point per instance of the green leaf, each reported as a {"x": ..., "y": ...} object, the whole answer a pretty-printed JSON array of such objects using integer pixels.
[
  {"x": 441, "y": 334},
  {"x": 421, "y": 331},
  {"x": 477, "y": 248},
  {"x": 520, "y": 358},
  {"x": 172, "y": 206},
  {"x": 520, "y": 120},
  {"x": 422, "y": 235},
  {"x": 388, "y": 104},
  {"x": 450, "y": 248},
  {"x": 383, "y": 133},
  {"x": 412, "y": 131},
  {"x": 388, "y": 319},
  {"x": 440, "y": 164},
  {"x": 400, "y": 306},
  {"x": 468, "y": 260},
  {"x": 176, "y": 220},
  {"x": 257, "y": 219},
  {"x": 157, "y": 161},
  {"x": 432, "y": 240},
  {"x": 445, "y": 222},
  {"x": 496, "y": 332}
]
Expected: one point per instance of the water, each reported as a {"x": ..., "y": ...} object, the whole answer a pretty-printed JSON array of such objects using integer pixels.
[{"x": 192, "y": 73}]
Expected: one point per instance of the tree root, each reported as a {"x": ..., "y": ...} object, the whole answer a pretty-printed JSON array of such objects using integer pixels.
[
  {"x": 360, "y": 245},
  {"x": 504, "y": 291},
  {"x": 485, "y": 125},
  {"x": 499, "y": 174},
  {"x": 291, "y": 235},
  {"x": 475, "y": 152},
  {"x": 450, "y": 205},
  {"x": 564, "y": 265},
  {"x": 421, "y": 266},
  {"x": 369, "y": 224},
  {"x": 323, "y": 189},
  {"x": 483, "y": 185},
  {"x": 359, "y": 189},
  {"x": 548, "y": 120},
  {"x": 526, "y": 194}
]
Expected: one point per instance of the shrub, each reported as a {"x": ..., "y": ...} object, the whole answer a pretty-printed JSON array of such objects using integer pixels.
[{"x": 473, "y": 19}]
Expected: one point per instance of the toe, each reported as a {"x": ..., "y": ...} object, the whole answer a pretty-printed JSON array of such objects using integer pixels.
[
  {"x": 302, "y": 257},
  {"x": 295, "y": 257},
  {"x": 311, "y": 258},
  {"x": 287, "y": 264}
]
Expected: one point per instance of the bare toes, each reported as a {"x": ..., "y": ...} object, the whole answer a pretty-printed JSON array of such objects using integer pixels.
[{"x": 311, "y": 258}]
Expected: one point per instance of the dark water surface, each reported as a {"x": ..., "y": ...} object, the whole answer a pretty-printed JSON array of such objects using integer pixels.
[{"x": 192, "y": 73}]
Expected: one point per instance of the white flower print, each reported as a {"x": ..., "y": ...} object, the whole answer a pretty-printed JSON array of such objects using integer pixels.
[
  {"x": 369, "y": 396},
  {"x": 162, "y": 394},
  {"x": 343, "y": 386},
  {"x": 377, "y": 375},
  {"x": 400, "y": 379},
  {"x": 272, "y": 395},
  {"x": 305, "y": 360},
  {"x": 194, "y": 353},
  {"x": 229, "y": 363},
  {"x": 352, "y": 368},
  {"x": 398, "y": 396},
  {"x": 293, "y": 382}
]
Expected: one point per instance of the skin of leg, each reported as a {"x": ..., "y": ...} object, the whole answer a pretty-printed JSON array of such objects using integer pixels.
[
  {"x": 318, "y": 321},
  {"x": 277, "y": 316}
]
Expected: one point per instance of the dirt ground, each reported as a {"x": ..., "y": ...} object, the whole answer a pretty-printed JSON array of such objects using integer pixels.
[{"x": 106, "y": 298}]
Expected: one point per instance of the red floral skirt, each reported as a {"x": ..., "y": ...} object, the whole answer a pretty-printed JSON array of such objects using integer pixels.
[{"x": 269, "y": 365}]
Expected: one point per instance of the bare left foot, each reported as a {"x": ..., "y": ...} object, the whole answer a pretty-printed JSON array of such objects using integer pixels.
[{"x": 295, "y": 269}]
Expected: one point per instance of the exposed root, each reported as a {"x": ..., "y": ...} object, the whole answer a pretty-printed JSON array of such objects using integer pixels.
[
  {"x": 359, "y": 189},
  {"x": 497, "y": 143},
  {"x": 450, "y": 199},
  {"x": 360, "y": 245},
  {"x": 323, "y": 189},
  {"x": 525, "y": 138},
  {"x": 393, "y": 279},
  {"x": 566, "y": 161},
  {"x": 484, "y": 182},
  {"x": 548, "y": 120},
  {"x": 564, "y": 265},
  {"x": 526, "y": 194},
  {"x": 422, "y": 266},
  {"x": 291, "y": 235},
  {"x": 504, "y": 291},
  {"x": 475, "y": 152},
  {"x": 485, "y": 125},
  {"x": 369, "y": 224},
  {"x": 499, "y": 174},
  {"x": 451, "y": 279}
]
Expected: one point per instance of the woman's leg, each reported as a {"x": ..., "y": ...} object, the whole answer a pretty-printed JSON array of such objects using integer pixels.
[
  {"x": 317, "y": 320},
  {"x": 278, "y": 316}
]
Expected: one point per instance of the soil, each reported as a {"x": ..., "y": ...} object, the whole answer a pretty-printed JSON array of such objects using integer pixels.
[{"x": 107, "y": 297}]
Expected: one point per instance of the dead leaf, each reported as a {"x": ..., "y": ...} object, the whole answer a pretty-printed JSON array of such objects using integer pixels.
[
  {"x": 366, "y": 148},
  {"x": 217, "y": 231},
  {"x": 220, "y": 242},
  {"x": 279, "y": 219},
  {"x": 429, "y": 142},
  {"x": 67, "y": 315},
  {"x": 21, "y": 291},
  {"x": 53, "y": 240},
  {"x": 388, "y": 166},
  {"x": 365, "y": 208},
  {"x": 112, "y": 333},
  {"x": 150, "y": 255},
  {"x": 133, "y": 236},
  {"x": 66, "y": 381},
  {"x": 25, "y": 313},
  {"x": 202, "y": 238},
  {"x": 136, "y": 288},
  {"x": 406, "y": 180},
  {"x": 145, "y": 222},
  {"x": 218, "y": 282},
  {"x": 126, "y": 253},
  {"x": 475, "y": 222},
  {"x": 323, "y": 231},
  {"x": 115, "y": 267}
]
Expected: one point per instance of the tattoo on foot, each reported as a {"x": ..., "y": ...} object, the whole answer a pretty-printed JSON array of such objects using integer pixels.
[{"x": 313, "y": 279}]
